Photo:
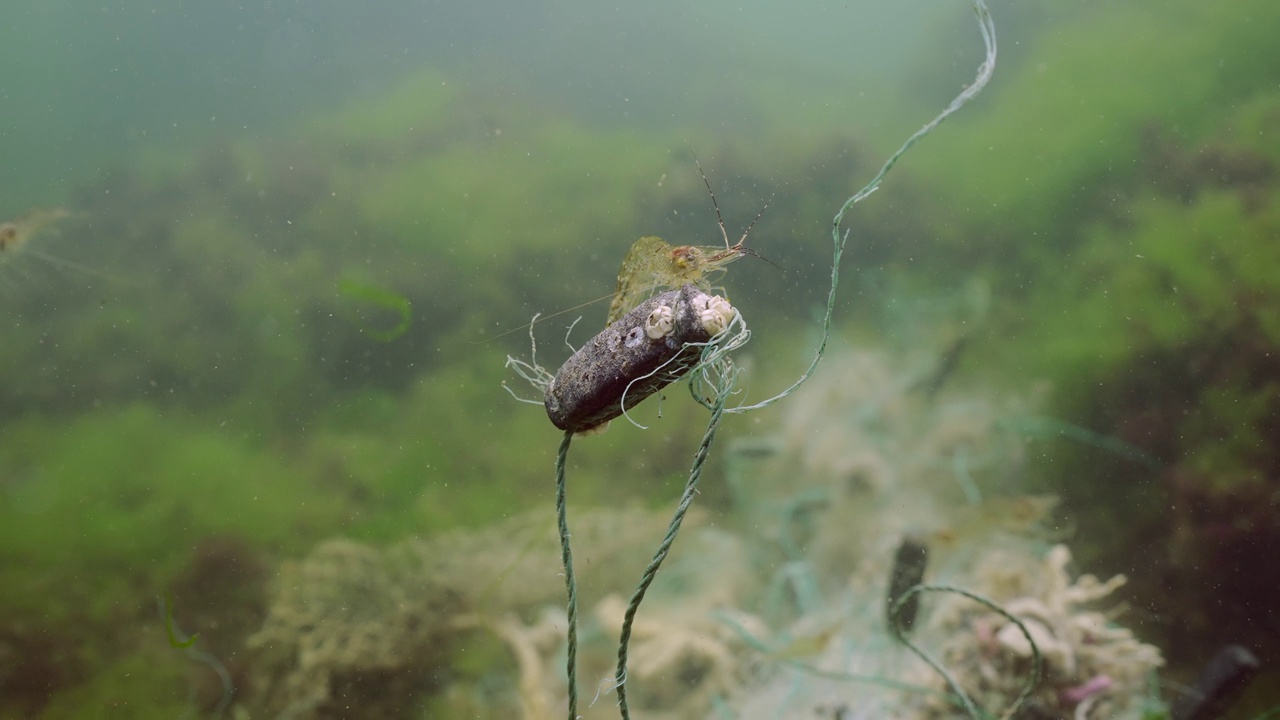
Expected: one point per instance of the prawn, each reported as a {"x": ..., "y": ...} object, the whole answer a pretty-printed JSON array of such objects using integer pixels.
[
  {"x": 652, "y": 264},
  {"x": 15, "y": 233}
]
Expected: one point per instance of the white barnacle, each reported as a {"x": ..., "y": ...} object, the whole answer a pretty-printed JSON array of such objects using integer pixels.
[
  {"x": 716, "y": 314},
  {"x": 660, "y": 322}
]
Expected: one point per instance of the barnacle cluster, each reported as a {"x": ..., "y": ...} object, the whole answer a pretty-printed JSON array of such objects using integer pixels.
[
  {"x": 660, "y": 322},
  {"x": 715, "y": 315}
]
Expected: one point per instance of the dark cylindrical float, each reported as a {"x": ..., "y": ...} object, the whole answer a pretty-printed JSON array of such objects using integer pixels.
[
  {"x": 644, "y": 351},
  {"x": 909, "y": 564},
  {"x": 1220, "y": 682}
]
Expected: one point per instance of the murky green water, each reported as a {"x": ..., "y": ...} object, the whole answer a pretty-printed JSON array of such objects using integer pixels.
[{"x": 265, "y": 263}]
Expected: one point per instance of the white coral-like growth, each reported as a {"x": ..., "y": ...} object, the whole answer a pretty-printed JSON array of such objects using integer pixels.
[
  {"x": 678, "y": 660},
  {"x": 1068, "y": 635},
  {"x": 716, "y": 315},
  {"x": 1080, "y": 647},
  {"x": 660, "y": 322},
  {"x": 350, "y": 608}
]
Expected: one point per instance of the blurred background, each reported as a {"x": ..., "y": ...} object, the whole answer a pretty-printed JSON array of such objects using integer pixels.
[{"x": 270, "y": 258}]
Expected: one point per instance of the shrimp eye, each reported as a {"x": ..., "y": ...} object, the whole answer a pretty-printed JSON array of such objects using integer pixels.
[{"x": 686, "y": 256}]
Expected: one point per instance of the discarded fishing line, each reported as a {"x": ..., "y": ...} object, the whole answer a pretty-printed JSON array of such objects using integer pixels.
[
  {"x": 988, "y": 29},
  {"x": 720, "y": 375},
  {"x": 902, "y": 604},
  {"x": 656, "y": 343},
  {"x": 679, "y": 332},
  {"x": 909, "y": 599}
]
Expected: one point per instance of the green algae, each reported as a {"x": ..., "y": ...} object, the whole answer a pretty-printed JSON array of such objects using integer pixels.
[
  {"x": 384, "y": 299},
  {"x": 100, "y": 523},
  {"x": 170, "y": 625}
]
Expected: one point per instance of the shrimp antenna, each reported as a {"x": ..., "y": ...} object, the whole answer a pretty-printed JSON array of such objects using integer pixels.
[
  {"x": 754, "y": 254},
  {"x": 714, "y": 204},
  {"x": 748, "y": 230},
  {"x": 720, "y": 218},
  {"x": 540, "y": 317}
]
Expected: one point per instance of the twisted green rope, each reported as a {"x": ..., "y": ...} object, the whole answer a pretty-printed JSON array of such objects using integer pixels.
[
  {"x": 566, "y": 556},
  {"x": 988, "y": 66},
  {"x": 725, "y": 383},
  {"x": 714, "y": 373},
  {"x": 1028, "y": 687}
]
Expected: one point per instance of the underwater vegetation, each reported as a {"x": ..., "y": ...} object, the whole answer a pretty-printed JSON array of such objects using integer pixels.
[
  {"x": 193, "y": 373},
  {"x": 278, "y": 402},
  {"x": 384, "y": 299},
  {"x": 389, "y": 626},
  {"x": 1162, "y": 331},
  {"x": 212, "y": 401},
  {"x": 1129, "y": 256},
  {"x": 768, "y": 615}
]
